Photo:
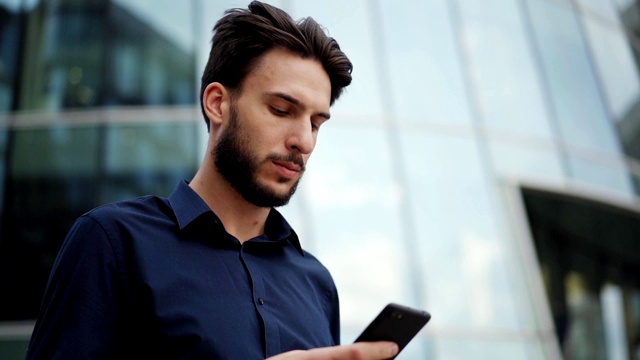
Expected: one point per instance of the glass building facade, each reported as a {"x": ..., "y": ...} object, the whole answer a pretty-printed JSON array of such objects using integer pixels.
[{"x": 484, "y": 165}]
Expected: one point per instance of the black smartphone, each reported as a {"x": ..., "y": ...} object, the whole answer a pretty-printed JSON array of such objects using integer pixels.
[{"x": 395, "y": 323}]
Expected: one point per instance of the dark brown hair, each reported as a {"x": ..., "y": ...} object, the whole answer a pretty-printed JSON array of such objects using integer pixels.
[{"x": 242, "y": 36}]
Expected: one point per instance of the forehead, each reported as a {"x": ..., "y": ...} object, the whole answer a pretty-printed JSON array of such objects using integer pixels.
[{"x": 281, "y": 71}]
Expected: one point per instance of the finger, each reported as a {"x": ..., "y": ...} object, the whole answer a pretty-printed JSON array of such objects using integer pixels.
[{"x": 358, "y": 351}]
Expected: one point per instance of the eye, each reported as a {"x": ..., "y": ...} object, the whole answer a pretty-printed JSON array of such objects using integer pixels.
[{"x": 278, "y": 111}]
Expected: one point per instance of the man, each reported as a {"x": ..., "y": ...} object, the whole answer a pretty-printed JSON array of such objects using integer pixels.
[{"x": 213, "y": 271}]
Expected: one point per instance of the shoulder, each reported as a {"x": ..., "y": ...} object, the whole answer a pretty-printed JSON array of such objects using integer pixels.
[
  {"x": 124, "y": 219},
  {"x": 139, "y": 209},
  {"x": 131, "y": 207}
]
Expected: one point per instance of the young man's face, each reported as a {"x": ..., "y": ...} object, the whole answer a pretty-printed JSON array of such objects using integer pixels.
[{"x": 273, "y": 126}]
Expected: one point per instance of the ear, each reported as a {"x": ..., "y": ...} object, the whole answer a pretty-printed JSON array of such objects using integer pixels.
[{"x": 215, "y": 101}]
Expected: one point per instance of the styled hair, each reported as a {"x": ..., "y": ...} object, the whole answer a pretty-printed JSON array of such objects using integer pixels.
[{"x": 242, "y": 36}]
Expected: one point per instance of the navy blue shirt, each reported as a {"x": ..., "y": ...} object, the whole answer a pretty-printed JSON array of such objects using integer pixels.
[{"x": 161, "y": 278}]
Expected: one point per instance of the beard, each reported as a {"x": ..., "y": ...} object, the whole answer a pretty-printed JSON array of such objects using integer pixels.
[{"x": 239, "y": 166}]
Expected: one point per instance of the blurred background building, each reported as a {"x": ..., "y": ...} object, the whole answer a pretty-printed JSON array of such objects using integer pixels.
[{"x": 484, "y": 165}]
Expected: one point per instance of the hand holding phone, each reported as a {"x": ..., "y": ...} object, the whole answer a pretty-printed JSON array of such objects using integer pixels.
[{"x": 395, "y": 323}]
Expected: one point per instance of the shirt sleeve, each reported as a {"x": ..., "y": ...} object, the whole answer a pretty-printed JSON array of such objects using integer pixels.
[
  {"x": 334, "y": 319},
  {"x": 79, "y": 313}
]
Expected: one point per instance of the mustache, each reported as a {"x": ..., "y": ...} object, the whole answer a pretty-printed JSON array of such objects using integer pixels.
[{"x": 291, "y": 157}]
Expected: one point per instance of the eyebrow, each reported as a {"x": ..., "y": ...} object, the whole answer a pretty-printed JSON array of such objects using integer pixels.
[{"x": 296, "y": 102}]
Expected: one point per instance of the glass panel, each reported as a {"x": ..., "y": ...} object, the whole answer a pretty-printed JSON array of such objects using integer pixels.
[
  {"x": 56, "y": 151},
  {"x": 615, "y": 61},
  {"x": 465, "y": 261},
  {"x": 576, "y": 98},
  {"x": 632, "y": 307},
  {"x": 467, "y": 348},
  {"x": 349, "y": 186},
  {"x": 612, "y": 300},
  {"x": 9, "y": 47},
  {"x": 13, "y": 349},
  {"x": 61, "y": 171},
  {"x": 4, "y": 139},
  {"x": 624, "y": 5},
  {"x": 589, "y": 257},
  {"x": 149, "y": 158},
  {"x": 425, "y": 71},
  {"x": 603, "y": 11},
  {"x": 502, "y": 68},
  {"x": 10, "y": 5},
  {"x": 585, "y": 335},
  {"x": 168, "y": 17},
  {"x": 610, "y": 173},
  {"x": 53, "y": 182},
  {"x": 350, "y": 24},
  {"x": 72, "y": 62},
  {"x": 514, "y": 159}
]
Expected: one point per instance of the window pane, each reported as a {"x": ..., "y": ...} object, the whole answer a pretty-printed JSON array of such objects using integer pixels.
[
  {"x": 608, "y": 172},
  {"x": 423, "y": 64},
  {"x": 349, "y": 23},
  {"x": 614, "y": 58},
  {"x": 576, "y": 100},
  {"x": 350, "y": 187},
  {"x": 168, "y": 17},
  {"x": 150, "y": 158},
  {"x": 522, "y": 159},
  {"x": 100, "y": 53},
  {"x": 462, "y": 347},
  {"x": 502, "y": 67},
  {"x": 464, "y": 257},
  {"x": 9, "y": 46},
  {"x": 53, "y": 182}
]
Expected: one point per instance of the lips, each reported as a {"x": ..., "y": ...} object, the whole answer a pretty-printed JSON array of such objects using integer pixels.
[
  {"x": 289, "y": 166},
  {"x": 288, "y": 170}
]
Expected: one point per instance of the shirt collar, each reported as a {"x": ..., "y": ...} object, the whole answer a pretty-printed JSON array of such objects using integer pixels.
[
  {"x": 277, "y": 228},
  {"x": 188, "y": 205}
]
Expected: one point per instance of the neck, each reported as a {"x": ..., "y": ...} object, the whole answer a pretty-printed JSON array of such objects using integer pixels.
[{"x": 239, "y": 217}]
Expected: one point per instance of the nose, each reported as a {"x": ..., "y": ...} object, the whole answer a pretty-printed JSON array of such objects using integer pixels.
[{"x": 301, "y": 139}]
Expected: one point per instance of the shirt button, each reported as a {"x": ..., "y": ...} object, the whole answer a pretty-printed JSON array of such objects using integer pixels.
[{"x": 260, "y": 301}]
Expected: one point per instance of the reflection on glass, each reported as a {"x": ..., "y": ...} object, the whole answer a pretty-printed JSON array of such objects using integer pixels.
[
  {"x": 349, "y": 186},
  {"x": 87, "y": 54},
  {"x": 424, "y": 69},
  {"x": 589, "y": 257},
  {"x": 149, "y": 159},
  {"x": 632, "y": 304},
  {"x": 460, "y": 348},
  {"x": 603, "y": 10},
  {"x": 585, "y": 333},
  {"x": 611, "y": 173},
  {"x": 53, "y": 182},
  {"x": 464, "y": 257},
  {"x": 167, "y": 17},
  {"x": 349, "y": 23},
  {"x": 624, "y": 5},
  {"x": 9, "y": 46},
  {"x": 576, "y": 101},
  {"x": 502, "y": 67},
  {"x": 616, "y": 65},
  {"x": 60, "y": 170},
  {"x": 4, "y": 136},
  {"x": 516, "y": 159},
  {"x": 612, "y": 300}
]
